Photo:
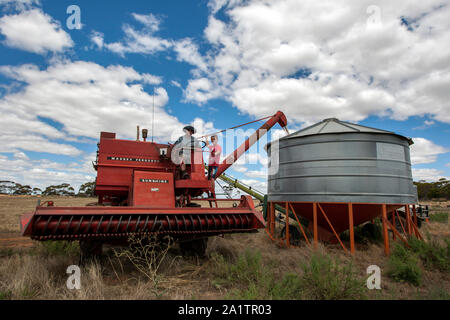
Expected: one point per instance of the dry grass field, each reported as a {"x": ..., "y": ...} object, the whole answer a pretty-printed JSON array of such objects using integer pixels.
[{"x": 242, "y": 266}]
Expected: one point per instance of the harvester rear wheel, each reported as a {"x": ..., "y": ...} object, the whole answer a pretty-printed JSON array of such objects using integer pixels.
[
  {"x": 195, "y": 247},
  {"x": 90, "y": 250}
]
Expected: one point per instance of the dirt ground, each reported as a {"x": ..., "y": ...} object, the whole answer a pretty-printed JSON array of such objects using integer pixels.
[{"x": 185, "y": 278}]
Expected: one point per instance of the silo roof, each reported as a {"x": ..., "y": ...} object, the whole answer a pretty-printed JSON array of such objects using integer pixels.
[{"x": 333, "y": 125}]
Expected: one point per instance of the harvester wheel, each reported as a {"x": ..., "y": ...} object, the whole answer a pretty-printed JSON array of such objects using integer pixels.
[
  {"x": 294, "y": 235},
  {"x": 195, "y": 247},
  {"x": 90, "y": 251}
]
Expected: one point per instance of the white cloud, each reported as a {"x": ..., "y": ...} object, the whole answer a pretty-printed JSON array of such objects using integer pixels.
[
  {"x": 97, "y": 38},
  {"x": 187, "y": 51},
  {"x": 317, "y": 60},
  {"x": 262, "y": 174},
  {"x": 425, "y": 151},
  {"x": 175, "y": 83},
  {"x": 256, "y": 184},
  {"x": 14, "y": 143},
  {"x": 83, "y": 98},
  {"x": 150, "y": 21},
  {"x": 34, "y": 31},
  {"x": 429, "y": 175},
  {"x": 74, "y": 101},
  {"x": 19, "y": 4},
  {"x": 239, "y": 168},
  {"x": 136, "y": 41},
  {"x": 200, "y": 90},
  {"x": 144, "y": 41},
  {"x": 42, "y": 173}
]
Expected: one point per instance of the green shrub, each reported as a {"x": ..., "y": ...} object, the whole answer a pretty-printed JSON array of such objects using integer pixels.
[
  {"x": 325, "y": 279},
  {"x": 290, "y": 287},
  {"x": 249, "y": 279},
  {"x": 252, "y": 292},
  {"x": 6, "y": 252},
  {"x": 5, "y": 295},
  {"x": 432, "y": 254},
  {"x": 436, "y": 293},
  {"x": 441, "y": 217},
  {"x": 247, "y": 269},
  {"x": 58, "y": 248},
  {"x": 403, "y": 265}
]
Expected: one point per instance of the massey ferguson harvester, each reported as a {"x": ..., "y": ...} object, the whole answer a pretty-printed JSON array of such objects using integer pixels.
[{"x": 140, "y": 191}]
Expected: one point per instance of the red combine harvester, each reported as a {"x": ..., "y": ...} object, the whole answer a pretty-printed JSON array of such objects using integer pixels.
[{"x": 140, "y": 191}]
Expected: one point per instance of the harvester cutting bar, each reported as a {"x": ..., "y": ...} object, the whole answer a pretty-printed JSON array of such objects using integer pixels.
[{"x": 76, "y": 223}]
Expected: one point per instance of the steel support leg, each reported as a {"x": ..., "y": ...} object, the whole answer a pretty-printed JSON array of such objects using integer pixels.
[
  {"x": 385, "y": 230},
  {"x": 316, "y": 236},
  {"x": 351, "y": 230}
]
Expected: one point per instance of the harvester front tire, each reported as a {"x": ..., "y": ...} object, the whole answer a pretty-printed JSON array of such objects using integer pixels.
[
  {"x": 90, "y": 250},
  {"x": 195, "y": 247}
]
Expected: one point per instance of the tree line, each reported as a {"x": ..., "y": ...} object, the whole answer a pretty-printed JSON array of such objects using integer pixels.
[
  {"x": 63, "y": 189},
  {"x": 433, "y": 190},
  {"x": 425, "y": 190}
]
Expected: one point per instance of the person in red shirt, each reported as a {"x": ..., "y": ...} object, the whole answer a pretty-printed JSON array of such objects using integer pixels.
[{"x": 214, "y": 156}]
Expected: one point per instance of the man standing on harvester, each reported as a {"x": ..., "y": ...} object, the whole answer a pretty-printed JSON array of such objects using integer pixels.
[
  {"x": 214, "y": 156},
  {"x": 183, "y": 147}
]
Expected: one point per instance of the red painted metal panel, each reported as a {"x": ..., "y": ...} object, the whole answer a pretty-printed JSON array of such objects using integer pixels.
[{"x": 153, "y": 189}]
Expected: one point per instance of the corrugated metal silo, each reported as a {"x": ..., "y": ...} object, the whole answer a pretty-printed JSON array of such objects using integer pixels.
[{"x": 335, "y": 162}]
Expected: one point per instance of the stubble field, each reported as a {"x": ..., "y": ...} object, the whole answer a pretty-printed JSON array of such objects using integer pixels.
[{"x": 242, "y": 266}]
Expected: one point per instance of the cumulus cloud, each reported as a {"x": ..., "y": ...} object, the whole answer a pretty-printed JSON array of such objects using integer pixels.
[
  {"x": 425, "y": 151},
  {"x": 256, "y": 184},
  {"x": 187, "y": 51},
  {"x": 74, "y": 101},
  {"x": 428, "y": 174},
  {"x": 34, "y": 31},
  {"x": 42, "y": 173},
  {"x": 317, "y": 60},
  {"x": 262, "y": 174},
  {"x": 136, "y": 40},
  {"x": 81, "y": 99},
  {"x": 145, "y": 41},
  {"x": 19, "y": 4}
]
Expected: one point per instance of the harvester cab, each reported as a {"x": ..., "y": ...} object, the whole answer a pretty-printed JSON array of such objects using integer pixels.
[{"x": 140, "y": 191}]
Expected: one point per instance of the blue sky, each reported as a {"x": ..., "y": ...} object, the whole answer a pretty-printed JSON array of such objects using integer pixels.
[{"x": 215, "y": 64}]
